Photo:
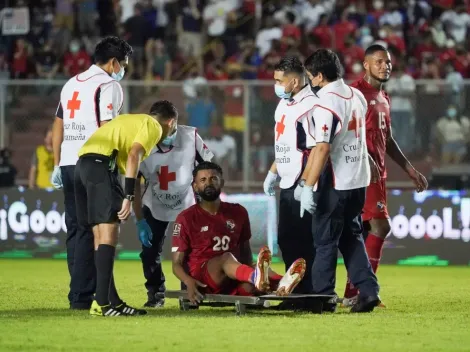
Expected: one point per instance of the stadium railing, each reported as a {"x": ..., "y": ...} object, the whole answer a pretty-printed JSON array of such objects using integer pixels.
[{"x": 244, "y": 109}]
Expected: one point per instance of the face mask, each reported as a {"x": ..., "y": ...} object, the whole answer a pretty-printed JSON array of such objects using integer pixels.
[
  {"x": 210, "y": 194},
  {"x": 169, "y": 140},
  {"x": 118, "y": 76},
  {"x": 74, "y": 48},
  {"x": 378, "y": 5},
  {"x": 314, "y": 89},
  {"x": 452, "y": 113},
  {"x": 281, "y": 91},
  {"x": 365, "y": 31}
]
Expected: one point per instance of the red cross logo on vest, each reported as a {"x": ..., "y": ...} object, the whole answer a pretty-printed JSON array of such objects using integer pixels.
[
  {"x": 355, "y": 124},
  {"x": 165, "y": 177},
  {"x": 110, "y": 107},
  {"x": 280, "y": 127},
  {"x": 74, "y": 104},
  {"x": 325, "y": 128}
]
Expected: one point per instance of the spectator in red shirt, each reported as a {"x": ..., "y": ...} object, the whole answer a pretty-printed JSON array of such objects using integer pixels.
[
  {"x": 389, "y": 36},
  {"x": 76, "y": 60},
  {"x": 324, "y": 33},
  {"x": 351, "y": 53},
  {"x": 426, "y": 48},
  {"x": 342, "y": 29},
  {"x": 290, "y": 29},
  {"x": 19, "y": 64},
  {"x": 462, "y": 61}
]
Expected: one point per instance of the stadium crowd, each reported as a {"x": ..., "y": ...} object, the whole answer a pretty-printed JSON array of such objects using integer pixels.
[
  {"x": 196, "y": 41},
  {"x": 238, "y": 38}
]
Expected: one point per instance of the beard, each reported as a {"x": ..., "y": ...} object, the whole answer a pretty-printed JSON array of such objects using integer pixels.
[
  {"x": 209, "y": 194},
  {"x": 381, "y": 80}
]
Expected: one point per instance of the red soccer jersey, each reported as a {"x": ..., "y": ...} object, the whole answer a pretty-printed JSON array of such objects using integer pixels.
[
  {"x": 203, "y": 236},
  {"x": 378, "y": 122}
]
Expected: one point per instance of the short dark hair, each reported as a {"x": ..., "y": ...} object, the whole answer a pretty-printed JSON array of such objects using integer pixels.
[
  {"x": 207, "y": 165},
  {"x": 290, "y": 64},
  {"x": 111, "y": 47},
  {"x": 371, "y": 50},
  {"x": 164, "y": 109},
  {"x": 326, "y": 62}
]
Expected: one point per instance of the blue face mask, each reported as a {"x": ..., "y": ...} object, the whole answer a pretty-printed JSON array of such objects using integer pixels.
[
  {"x": 452, "y": 113},
  {"x": 120, "y": 75},
  {"x": 281, "y": 91},
  {"x": 169, "y": 140}
]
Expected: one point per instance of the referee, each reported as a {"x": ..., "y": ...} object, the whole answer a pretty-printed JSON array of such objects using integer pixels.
[
  {"x": 119, "y": 146},
  {"x": 340, "y": 169},
  {"x": 291, "y": 138},
  {"x": 87, "y": 101}
]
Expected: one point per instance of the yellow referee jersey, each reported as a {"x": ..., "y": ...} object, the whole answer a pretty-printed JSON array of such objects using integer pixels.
[{"x": 120, "y": 133}]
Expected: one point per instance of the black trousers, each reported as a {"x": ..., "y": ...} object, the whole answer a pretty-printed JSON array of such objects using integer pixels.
[
  {"x": 152, "y": 257},
  {"x": 338, "y": 225},
  {"x": 295, "y": 236},
  {"x": 80, "y": 248}
]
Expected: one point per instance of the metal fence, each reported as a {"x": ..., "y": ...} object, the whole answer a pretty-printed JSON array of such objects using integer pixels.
[{"x": 234, "y": 117}]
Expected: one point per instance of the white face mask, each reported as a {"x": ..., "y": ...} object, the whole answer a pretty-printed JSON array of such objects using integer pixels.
[{"x": 378, "y": 5}]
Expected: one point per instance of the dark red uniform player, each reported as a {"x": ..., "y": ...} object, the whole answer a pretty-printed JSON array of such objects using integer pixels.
[
  {"x": 212, "y": 240},
  {"x": 378, "y": 66}
]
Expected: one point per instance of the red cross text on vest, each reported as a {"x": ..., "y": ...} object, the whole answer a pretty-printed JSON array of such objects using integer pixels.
[
  {"x": 110, "y": 107},
  {"x": 280, "y": 127},
  {"x": 325, "y": 128},
  {"x": 165, "y": 177},
  {"x": 355, "y": 124},
  {"x": 74, "y": 104}
]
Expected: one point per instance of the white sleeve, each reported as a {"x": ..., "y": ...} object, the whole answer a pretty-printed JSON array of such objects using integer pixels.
[
  {"x": 325, "y": 124},
  {"x": 111, "y": 98},
  {"x": 202, "y": 151}
]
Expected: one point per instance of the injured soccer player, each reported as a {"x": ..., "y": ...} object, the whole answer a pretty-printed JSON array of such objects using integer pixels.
[{"x": 211, "y": 246}]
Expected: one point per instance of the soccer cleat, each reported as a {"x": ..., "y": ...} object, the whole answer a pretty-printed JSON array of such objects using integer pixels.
[
  {"x": 381, "y": 305},
  {"x": 292, "y": 278},
  {"x": 156, "y": 302},
  {"x": 104, "y": 311},
  {"x": 128, "y": 310},
  {"x": 262, "y": 269},
  {"x": 365, "y": 304}
]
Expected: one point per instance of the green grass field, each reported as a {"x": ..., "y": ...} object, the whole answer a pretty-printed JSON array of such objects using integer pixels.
[{"x": 427, "y": 310}]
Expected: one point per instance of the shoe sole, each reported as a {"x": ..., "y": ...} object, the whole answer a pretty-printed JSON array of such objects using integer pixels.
[
  {"x": 262, "y": 266},
  {"x": 369, "y": 307},
  {"x": 285, "y": 291}
]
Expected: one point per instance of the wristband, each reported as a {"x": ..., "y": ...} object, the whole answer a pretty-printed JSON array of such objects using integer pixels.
[{"x": 129, "y": 186}]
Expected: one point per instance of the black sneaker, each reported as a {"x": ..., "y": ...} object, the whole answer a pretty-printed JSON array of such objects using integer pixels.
[
  {"x": 128, "y": 310},
  {"x": 365, "y": 304},
  {"x": 156, "y": 300}
]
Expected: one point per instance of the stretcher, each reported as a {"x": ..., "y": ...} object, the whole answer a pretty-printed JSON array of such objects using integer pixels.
[{"x": 242, "y": 303}]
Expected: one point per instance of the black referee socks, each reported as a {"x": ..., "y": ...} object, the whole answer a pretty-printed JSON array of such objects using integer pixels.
[{"x": 104, "y": 261}]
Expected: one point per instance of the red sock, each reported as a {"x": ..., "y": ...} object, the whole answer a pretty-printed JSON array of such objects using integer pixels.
[
  {"x": 242, "y": 292},
  {"x": 245, "y": 273},
  {"x": 374, "y": 245},
  {"x": 350, "y": 291}
]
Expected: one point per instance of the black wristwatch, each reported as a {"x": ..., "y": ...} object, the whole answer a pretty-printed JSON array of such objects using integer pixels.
[
  {"x": 130, "y": 198},
  {"x": 301, "y": 183}
]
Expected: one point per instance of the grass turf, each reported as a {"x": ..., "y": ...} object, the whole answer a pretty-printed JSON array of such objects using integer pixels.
[{"x": 426, "y": 311}]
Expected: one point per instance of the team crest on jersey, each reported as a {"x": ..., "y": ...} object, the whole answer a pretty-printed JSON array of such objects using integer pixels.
[
  {"x": 230, "y": 225},
  {"x": 176, "y": 229},
  {"x": 372, "y": 102},
  {"x": 380, "y": 206}
]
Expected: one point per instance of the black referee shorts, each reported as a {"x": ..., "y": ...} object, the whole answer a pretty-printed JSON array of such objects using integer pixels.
[{"x": 98, "y": 193}]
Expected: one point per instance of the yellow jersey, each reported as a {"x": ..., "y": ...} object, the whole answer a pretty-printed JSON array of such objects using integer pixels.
[
  {"x": 120, "y": 133},
  {"x": 44, "y": 162}
]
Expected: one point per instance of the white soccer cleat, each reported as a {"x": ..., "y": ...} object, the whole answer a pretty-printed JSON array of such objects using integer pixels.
[
  {"x": 291, "y": 278},
  {"x": 262, "y": 269}
]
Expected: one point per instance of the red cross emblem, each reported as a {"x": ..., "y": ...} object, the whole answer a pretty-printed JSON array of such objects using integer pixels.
[
  {"x": 280, "y": 127},
  {"x": 325, "y": 128},
  {"x": 165, "y": 177},
  {"x": 74, "y": 104},
  {"x": 355, "y": 124},
  {"x": 110, "y": 106}
]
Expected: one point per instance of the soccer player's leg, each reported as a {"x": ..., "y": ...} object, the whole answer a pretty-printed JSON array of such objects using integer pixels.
[{"x": 377, "y": 223}]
